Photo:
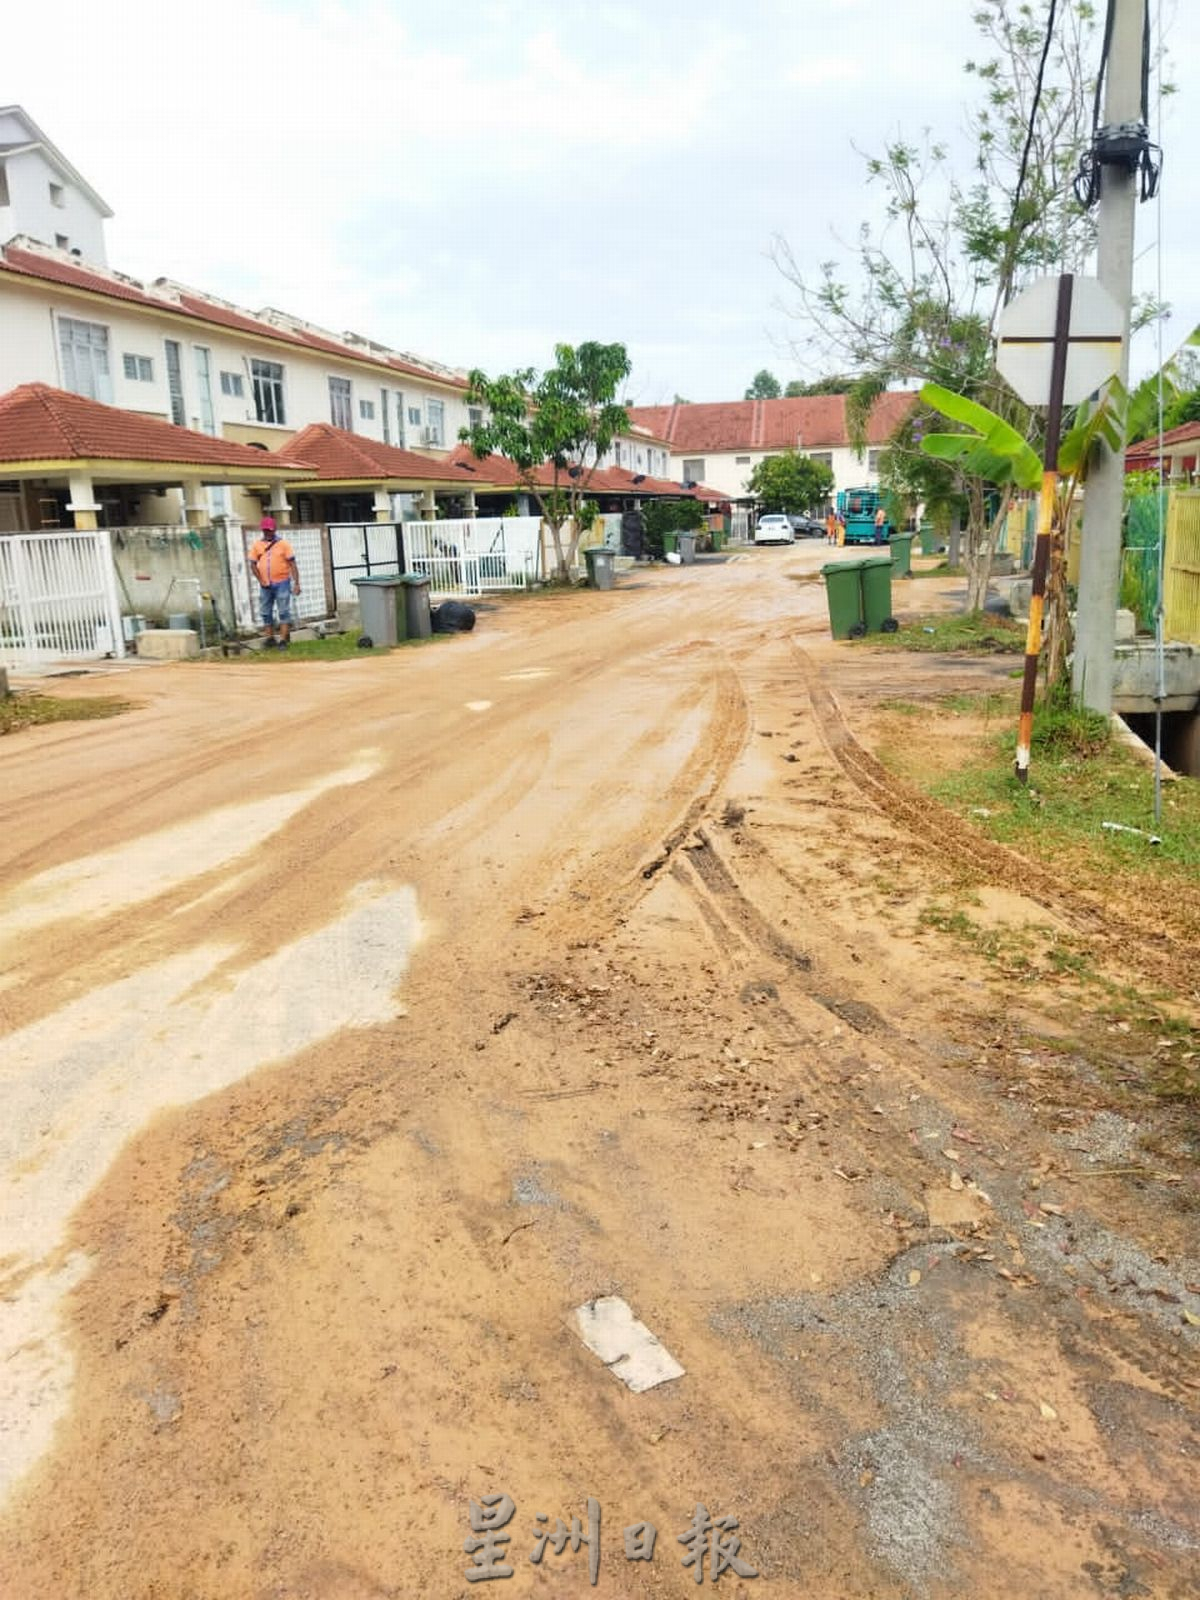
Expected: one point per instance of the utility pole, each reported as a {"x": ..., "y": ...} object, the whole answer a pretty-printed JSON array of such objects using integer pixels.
[{"x": 1100, "y": 552}]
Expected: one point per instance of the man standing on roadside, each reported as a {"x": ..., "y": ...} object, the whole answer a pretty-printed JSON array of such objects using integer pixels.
[
  {"x": 831, "y": 527},
  {"x": 274, "y": 564}
]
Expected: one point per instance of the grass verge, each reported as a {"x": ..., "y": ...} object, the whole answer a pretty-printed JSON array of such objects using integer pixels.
[
  {"x": 338, "y": 647},
  {"x": 979, "y": 633},
  {"x": 24, "y": 710},
  {"x": 1080, "y": 779}
]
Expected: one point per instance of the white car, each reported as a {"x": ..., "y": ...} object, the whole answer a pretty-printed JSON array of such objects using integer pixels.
[{"x": 774, "y": 528}]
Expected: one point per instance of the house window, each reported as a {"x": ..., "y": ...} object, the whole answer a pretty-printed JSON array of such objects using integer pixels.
[
  {"x": 267, "y": 377},
  {"x": 475, "y": 416},
  {"x": 56, "y": 195},
  {"x": 366, "y": 410},
  {"x": 139, "y": 368},
  {"x": 3, "y": 184},
  {"x": 232, "y": 385},
  {"x": 435, "y": 413},
  {"x": 617, "y": 453},
  {"x": 175, "y": 382},
  {"x": 204, "y": 394},
  {"x": 741, "y": 461},
  {"x": 385, "y": 416},
  {"x": 693, "y": 471},
  {"x": 873, "y": 458},
  {"x": 414, "y": 416},
  {"x": 61, "y": 242},
  {"x": 341, "y": 412},
  {"x": 84, "y": 350},
  {"x": 823, "y": 458}
]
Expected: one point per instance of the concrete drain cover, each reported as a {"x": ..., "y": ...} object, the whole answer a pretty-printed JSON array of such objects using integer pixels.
[{"x": 626, "y": 1346}]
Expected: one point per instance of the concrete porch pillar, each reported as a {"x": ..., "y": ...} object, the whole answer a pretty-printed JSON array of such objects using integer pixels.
[
  {"x": 82, "y": 504},
  {"x": 280, "y": 509},
  {"x": 472, "y": 507},
  {"x": 428, "y": 505},
  {"x": 382, "y": 505},
  {"x": 195, "y": 504}
]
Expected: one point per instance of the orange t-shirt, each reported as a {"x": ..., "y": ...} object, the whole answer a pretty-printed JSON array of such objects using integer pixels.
[{"x": 270, "y": 561}]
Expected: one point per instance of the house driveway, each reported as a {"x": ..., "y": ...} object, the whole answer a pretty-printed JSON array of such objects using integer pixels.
[{"x": 363, "y": 1019}]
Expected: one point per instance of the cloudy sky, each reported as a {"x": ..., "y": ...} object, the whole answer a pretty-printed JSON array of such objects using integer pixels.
[{"x": 476, "y": 180}]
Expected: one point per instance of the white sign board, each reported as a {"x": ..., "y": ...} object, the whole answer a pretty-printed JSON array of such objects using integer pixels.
[{"x": 1025, "y": 345}]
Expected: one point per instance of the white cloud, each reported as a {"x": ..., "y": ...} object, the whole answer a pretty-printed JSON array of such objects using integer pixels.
[{"x": 479, "y": 180}]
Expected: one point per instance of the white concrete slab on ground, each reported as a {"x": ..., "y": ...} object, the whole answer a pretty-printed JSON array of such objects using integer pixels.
[{"x": 626, "y": 1346}]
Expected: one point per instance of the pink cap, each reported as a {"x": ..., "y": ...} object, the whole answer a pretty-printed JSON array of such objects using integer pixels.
[{"x": 267, "y": 525}]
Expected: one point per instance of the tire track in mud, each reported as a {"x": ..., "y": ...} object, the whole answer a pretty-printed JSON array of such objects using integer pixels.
[
  {"x": 701, "y": 780},
  {"x": 837, "y": 1094},
  {"x": 746, "y": 935},
  {"x": 939, "y": 832}
]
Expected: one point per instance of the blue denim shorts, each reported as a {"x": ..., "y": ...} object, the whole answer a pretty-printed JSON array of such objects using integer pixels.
[{"x": 275, "y": 597}]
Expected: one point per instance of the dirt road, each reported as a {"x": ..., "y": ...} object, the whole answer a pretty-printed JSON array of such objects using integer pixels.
[{"x": 363, "y": 1019}]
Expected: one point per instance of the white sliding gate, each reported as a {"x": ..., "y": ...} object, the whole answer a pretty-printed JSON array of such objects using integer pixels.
[
  {"x": 473, "y": 555},
  {"x": 308, "y": 542},
  {"x": 58, "y": 598}
]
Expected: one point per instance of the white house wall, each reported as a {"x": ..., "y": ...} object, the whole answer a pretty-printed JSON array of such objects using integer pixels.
[
  {"x": 30, "y": 353},
  {"x": 728, "y": 471},
  {"x": 639, "y": 455},
  {"x": 30, "y": 209}
]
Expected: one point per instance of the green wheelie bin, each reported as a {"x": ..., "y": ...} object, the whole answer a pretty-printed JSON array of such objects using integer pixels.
[
  {"x": 876, "y": 580},
  {"x": 901, "y": 545},
  {"x": 844, "y": 596},
  {"x": 929, "y": 540}
]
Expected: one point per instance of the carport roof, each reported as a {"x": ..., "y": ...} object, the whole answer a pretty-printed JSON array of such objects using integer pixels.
[
  {"x": 342, "y": 457},
  {"x": 501, "y": 473},
  {"x": 41, "y": 425}
]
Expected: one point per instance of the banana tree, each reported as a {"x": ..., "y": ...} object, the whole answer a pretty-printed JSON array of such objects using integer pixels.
[{"x": 990, "y": 449}]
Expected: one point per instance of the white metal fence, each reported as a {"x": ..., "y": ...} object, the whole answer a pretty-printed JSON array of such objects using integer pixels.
[
  {"x": 473, "y": 555},
  {"x": 58, "y": 598}
]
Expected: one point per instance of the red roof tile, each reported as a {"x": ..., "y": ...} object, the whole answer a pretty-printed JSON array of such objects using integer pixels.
[
  {"x": 341, "y": 456},
  {"x": 38, "y": 423},
  {"x": 809, "y": 422},
  {"x": 1185, "y": 433},
  {"x": 501, "y": 473},
  {"x": 32, "y": 264}
]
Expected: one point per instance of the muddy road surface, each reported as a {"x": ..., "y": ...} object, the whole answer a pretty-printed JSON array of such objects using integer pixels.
[{"x": 363, "y": 1019}]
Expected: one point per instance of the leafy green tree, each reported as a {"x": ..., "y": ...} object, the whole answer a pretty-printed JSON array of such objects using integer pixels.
[
  {"x": 1185, "y": 408},
  {"x": 790, "y": 482},
  {"x": 764, "y": 387},
  {"x": 659, "y": 517},
  {"x": 564, "y": 419},
  {"x": 920, "y": 296},
  {"x": 838, "y": 383}
]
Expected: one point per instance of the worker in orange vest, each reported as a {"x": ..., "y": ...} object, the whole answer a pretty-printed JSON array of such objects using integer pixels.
[{"x": 273, "y": 562}]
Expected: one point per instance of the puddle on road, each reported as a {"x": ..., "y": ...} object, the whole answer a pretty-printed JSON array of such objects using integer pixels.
[
  {"x": 112, "y": 880},
  {"x": 78, "y": 1084},
  {"x": 526, "y": 675},
  {"x": 479, "y": 705}
]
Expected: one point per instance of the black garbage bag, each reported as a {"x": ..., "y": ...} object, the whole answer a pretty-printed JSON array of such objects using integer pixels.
[
  {"x": 366, "y": 642},
  {"x": 452, "y": 616}
]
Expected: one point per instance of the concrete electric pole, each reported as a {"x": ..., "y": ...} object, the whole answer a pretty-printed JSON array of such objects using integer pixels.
[{"x": 1100, "y": 552}]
